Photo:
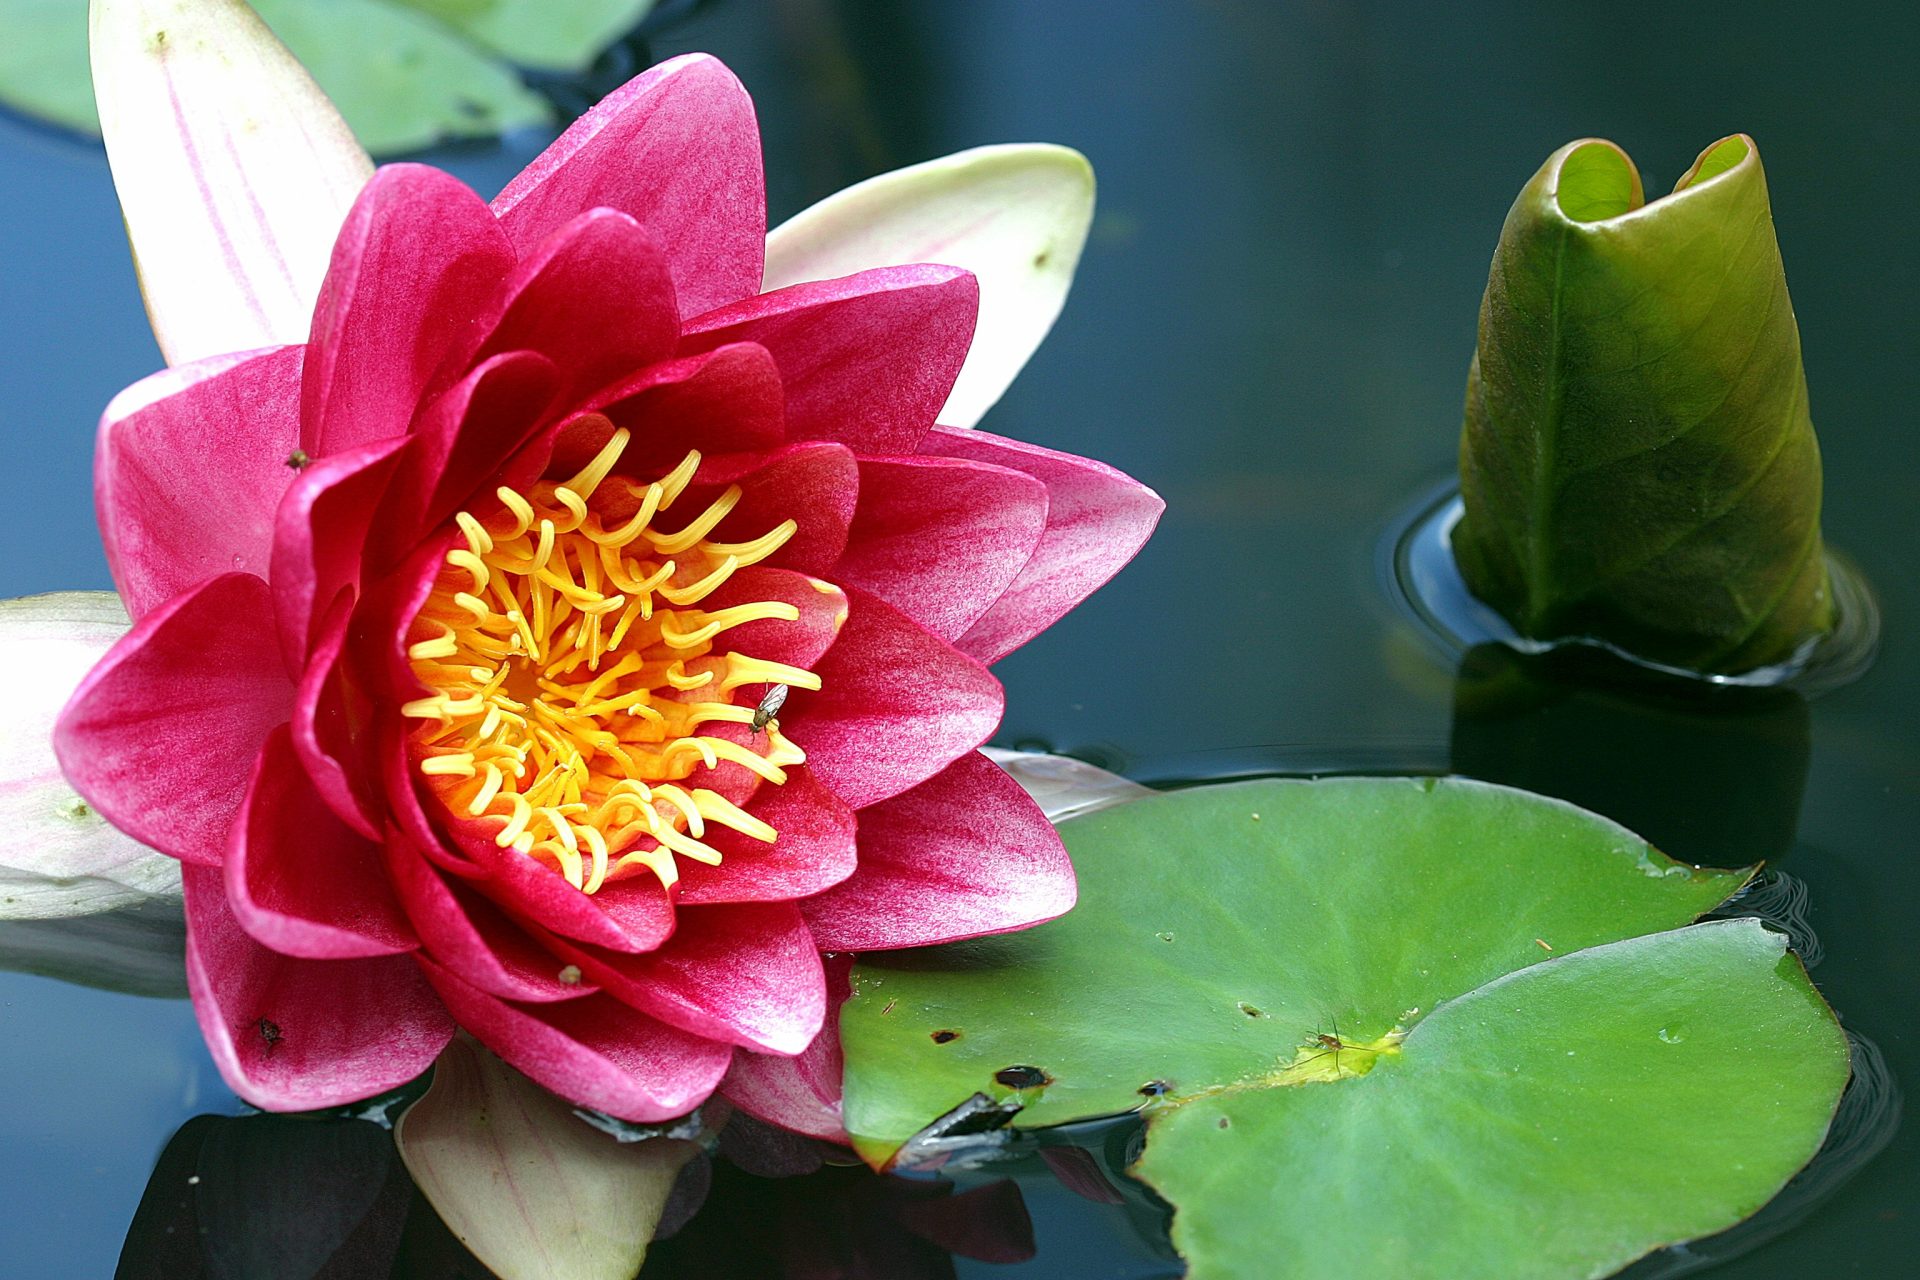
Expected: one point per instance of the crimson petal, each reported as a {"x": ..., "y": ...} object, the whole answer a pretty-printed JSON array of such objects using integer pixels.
[
  {"x": 814, "y": 849},
  {"x": 746, "y": 975},
  {"x": 816, "y": 481},
  {"x": 801, "y": 1092},
  {"x": 964, "y": 854},
  {"x": 300, "y": 880},
  {"x": 866, "y": 360},
  {"x": 595, "y": 298},
  {"x": 677, "y": 150},
  {"x": 326, "y": 707},
  {"x": 162, "y": 734},
  {"x": 320, "y": 534},
  {"x": 727, "y": 400},
  {"x": 941, "y": 539},
  {"x": 416, "y": 262},
  {"x": 596, "y": 1052},
  {"x": 1097, "y": 519},
  {"x": 473, "y": 938},
  {"x": 189, "y": 467},
  {"x": 896, "y": 706},
  {"x": 297, "y": 1035}
]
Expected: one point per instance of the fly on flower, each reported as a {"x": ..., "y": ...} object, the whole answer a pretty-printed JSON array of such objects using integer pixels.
[
  {"x": 763, "y": 715},
  {"x": 448, "y": 707}
]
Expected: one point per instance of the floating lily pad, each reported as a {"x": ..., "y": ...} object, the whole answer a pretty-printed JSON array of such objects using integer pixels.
[
  {"x": 1516, "y": 1079},
  {"x": 404, "y": 73}
]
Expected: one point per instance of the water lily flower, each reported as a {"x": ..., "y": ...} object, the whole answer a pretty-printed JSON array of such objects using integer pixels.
[{"x": 466, "y": 582}]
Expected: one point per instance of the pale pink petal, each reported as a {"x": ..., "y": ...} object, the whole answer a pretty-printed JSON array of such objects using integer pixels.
[
  {"x": 896, "y": 706},
  {"x": 677, "y": 150},
  {"x": 297, "y": 1035},
  {"x": 941, "y": 539},
  {"x": 867, "y": 360},
  {"x": 189, "y": 468},
  {"x": 413, "y": 271},
  {"x": 62, "y": 858},
  {"x": 1016, "y": 216},
  {"x": 594, "y": 297},
  {"x": 473, "y": 938},
  {"x": 161, "y": 736},
  {"x": 234, "y": 170},
  {"x": 964, "y": 854},
  {"x": 813, "y": 849},
  {"x": 746, "y": 975},
  {"x": 596, "y": 1052},
  {"x": 1097, "y": 519},
  {"x": 300, "y": 880}
]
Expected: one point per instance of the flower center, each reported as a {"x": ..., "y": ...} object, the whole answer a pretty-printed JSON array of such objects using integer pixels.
[{"x": 573, "y": 673}]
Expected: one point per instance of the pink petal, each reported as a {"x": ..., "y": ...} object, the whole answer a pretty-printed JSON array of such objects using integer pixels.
[
  {"x": 473, "y": 938},
  {"x": 745, "y": 975},
  {"x": 596, "y": 1052},
  {"x": 866, "y": 360},
  {"x": 462, "y": 440},
  {"x": 964, "y": 854},
  {"x": 800, "y": 643},
  {"x": 296, "y": 1035},
  {"x": 814, "y": 483},
  {"x": 814, "y": 848},
  {"x": 189, "y": 468},
  {"x": 595, "y": 297},
  {"x": 941, "y": 539},
  {"x": 161, "y": 736},
  {"x": 727, "y": 400},
  {"x": 632, "y": 915},
  {"x": 1097, "y": 518},
  {"x": 320, "y": 537},
  {"x": 895, "y": 707},
  {"x": 802, "y": 1092},
  {"x": 677, "y": 149},
  {"x": 326, "y": 706},
  {"x": 300, "y": 880},
  {"x": 416, "y": 264}
]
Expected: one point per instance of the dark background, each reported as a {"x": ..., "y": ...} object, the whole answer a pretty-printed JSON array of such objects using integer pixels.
[{"x": 1271, "y": 326}]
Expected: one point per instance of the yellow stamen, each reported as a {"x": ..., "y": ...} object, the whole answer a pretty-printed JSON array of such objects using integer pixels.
[{"x": 561, "y": 648}]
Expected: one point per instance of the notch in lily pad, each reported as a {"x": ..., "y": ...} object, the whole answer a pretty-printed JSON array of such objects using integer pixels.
[
  {"x": 1638, "y": 465},
  {"x": 1489, "y": 1040}
]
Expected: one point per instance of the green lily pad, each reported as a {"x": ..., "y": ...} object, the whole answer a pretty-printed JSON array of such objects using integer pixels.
[
  {"x": 405, "y": 73},
  {"x": 1638, "y": 465},
  {"x": 1525, "y": 1082}
]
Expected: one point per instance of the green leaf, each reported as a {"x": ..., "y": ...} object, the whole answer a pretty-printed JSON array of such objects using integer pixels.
[
  {"x": 1560, "y": 1122},
  {"x": 1221, "y": 930},
  {"x": 553, "y": 35},
  {"x": 402, "y": 79},
  {"x": 1638, "y": 465}
]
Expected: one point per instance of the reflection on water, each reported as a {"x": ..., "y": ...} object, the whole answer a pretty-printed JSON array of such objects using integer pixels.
[{"x": 1709, "y": 774}]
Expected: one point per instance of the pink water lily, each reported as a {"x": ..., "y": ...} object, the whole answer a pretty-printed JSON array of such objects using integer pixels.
[{"x": 574, "y": 636}]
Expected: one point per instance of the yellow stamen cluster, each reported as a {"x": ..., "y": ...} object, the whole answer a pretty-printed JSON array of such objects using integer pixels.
[{"x": 572, "y": 670}]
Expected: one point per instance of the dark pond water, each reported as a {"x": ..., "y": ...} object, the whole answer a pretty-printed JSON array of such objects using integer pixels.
[{"x": 1271, "y": 326}]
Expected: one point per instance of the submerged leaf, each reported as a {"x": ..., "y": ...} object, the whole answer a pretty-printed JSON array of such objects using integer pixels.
[
  {"x": 1638, "y": 465},
  {"x": 1465, "y": 964},
  {"x": 533, "y": 1190}
]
